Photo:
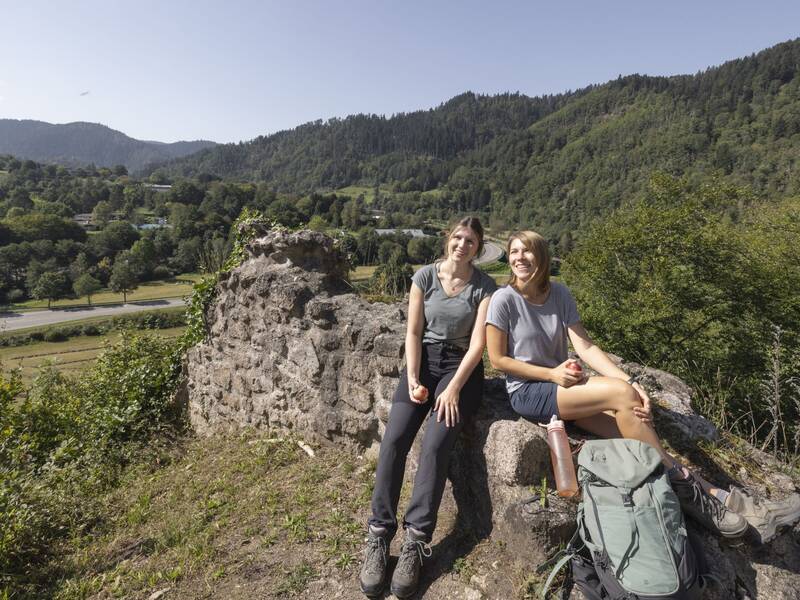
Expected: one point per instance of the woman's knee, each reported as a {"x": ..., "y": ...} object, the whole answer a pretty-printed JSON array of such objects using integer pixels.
[{"x": 624, "y": 396}]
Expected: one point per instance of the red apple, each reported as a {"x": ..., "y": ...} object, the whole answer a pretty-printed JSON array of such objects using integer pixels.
[
  {"x": 574, "y": 366},
  {"x": 420, "y": 393}
]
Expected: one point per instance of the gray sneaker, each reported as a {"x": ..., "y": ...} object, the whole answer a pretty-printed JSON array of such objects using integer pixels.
[
  {"x": 376, "y": 554},
  {"x": 765, "y": 516},
  {"x": 706, "y": 509},
  {"x": 406, "y": 573}
]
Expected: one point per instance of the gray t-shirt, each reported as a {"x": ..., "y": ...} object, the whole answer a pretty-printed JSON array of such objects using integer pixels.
[
  {"x": 450, "y": 319},
  {"x": 537, "y": 333}
]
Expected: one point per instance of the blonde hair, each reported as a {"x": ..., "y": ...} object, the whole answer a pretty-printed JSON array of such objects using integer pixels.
[{"x": 541, "y": 257}]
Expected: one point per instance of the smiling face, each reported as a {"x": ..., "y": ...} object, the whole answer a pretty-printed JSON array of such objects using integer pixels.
[
  {"x": 463, "y": 244},
  {"x": 529, "y": 260},
  {"x": 521, "y": 260}
]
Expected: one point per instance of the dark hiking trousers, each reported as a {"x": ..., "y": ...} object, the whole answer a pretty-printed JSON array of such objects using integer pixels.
[{"x": 437, "y": 368}]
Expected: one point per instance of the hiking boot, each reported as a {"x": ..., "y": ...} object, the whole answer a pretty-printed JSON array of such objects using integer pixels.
[
  {"x": 765, "y": 516},
  {"x": 406, "y": 573},
  {"x": 706, "y": 509},
  {"x": 376, "y": 554}
]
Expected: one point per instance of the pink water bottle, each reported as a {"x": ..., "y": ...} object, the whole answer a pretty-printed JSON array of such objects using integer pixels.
[{"x": 561, "y": 457}]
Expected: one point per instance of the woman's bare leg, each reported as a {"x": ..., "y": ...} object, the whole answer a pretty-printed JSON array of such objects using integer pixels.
[
  {"x": 601, "y": 394},
  {"x": 605, "y": 426}
]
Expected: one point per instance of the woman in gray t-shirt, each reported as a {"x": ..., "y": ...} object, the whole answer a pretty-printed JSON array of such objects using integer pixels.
[
  {"x": 445, "y": 338},
  {"x": 528, "y": 325}
]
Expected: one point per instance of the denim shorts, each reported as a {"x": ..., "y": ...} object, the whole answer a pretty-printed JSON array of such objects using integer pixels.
[{"x": 536, "y": 401}]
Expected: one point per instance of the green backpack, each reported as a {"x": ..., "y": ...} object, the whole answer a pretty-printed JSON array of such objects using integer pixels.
[{"x": 634, "y": 540}]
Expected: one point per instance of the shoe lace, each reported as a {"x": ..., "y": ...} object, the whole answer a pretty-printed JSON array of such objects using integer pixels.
[
  {"x": 410, "y": 552},
  {"x": 708, "y": 503},
  {"x": 375, "y": 559}
]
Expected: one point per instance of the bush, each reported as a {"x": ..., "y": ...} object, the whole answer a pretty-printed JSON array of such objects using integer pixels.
[
  {"x": 66, "y": 440},
  {"x": 91, "y": 330},
  {"x": 15, "y": 295},
  {"x": 669, "y": 283},
  {"x": 55, "y": 335},
  {"x": 162, "y": 272}
]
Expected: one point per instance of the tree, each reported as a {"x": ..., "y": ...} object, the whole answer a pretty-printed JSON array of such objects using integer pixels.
[
  {"x": 51, "y": 285},
  {"x": 123, "y": 276},
  {"x": 86, "y": 285},
  {"x": 393, "y": 278},
  {"x": 79, "y": 266},
  {"x": 102, "y": 213},
  {"x": 422, "y": 250},
  {"x": 116, "y": 237},
  {"x": 143, "y": 258}
]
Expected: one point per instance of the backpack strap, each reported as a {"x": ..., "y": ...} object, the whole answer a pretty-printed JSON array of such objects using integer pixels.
[
  {"x": 627, "y": 501},
  {"x": 560, "y": 559}
]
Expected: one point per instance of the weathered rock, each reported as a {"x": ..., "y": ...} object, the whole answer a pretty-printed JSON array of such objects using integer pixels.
[{"x": 289, "y": 348}]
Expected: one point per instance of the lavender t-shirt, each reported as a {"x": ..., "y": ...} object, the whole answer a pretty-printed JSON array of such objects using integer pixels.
[{"x": 537, "y": 333}]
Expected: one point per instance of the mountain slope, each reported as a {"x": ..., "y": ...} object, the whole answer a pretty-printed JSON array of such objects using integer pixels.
[
  {"x": 556, "y": 161},
  {"x": 83, "y": 143}
]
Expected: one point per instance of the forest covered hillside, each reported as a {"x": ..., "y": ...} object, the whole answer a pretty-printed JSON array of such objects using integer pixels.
[
  {"x": 556, "y": 161},
  {"x": 77, "y": 144}
]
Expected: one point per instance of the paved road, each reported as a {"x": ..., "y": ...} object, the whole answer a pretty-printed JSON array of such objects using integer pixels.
[
  {"x": 9, "y": 321},
  {"x": 491, "y": 252}
]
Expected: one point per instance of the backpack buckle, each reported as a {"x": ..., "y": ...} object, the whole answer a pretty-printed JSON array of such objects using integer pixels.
[{"x": 627, "y": 500}]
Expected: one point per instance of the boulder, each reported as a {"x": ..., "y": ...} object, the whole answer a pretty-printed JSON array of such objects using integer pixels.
[{"x": 290, "y": 347}]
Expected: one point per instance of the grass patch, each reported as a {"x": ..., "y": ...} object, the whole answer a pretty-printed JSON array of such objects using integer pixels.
[
  {"x": 151, "y": 290},
  {"x": 362, "y": 273},
  {"x": 69, "y": 356},
  {"x": 249, "y": 511},
  {"x": 354, "y": 191}
]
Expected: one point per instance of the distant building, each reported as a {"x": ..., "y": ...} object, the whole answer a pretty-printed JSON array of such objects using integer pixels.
[
  {"x": 83, "y": 219},
  {"x": 157, "y": 187},
  {"x": 411, "y": 232},
  {"x": 158, "y": 223}
]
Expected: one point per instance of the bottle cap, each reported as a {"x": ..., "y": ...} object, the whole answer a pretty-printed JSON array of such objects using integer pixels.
[{"x": 555, "y": 423}]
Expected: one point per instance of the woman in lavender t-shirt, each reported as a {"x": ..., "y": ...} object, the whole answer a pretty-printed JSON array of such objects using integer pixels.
[{"x": 529, "y": 324}]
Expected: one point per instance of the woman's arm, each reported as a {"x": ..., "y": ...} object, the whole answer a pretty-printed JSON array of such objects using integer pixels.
[
  {"x": 447, "y": 401},
  {"x": 598, "y": 360},
  {"x": 416, "y": 322},
  {"x": 591, "y": 354},
  {"x": 497, "y": 344}
]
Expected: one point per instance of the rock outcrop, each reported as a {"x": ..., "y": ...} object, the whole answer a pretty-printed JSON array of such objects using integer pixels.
[{"x": 290, "y": 347}]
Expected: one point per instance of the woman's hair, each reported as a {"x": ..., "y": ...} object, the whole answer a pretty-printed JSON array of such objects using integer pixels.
[
  {"x": 541, "y": 258},
  {"x": 473, "y": 223}
]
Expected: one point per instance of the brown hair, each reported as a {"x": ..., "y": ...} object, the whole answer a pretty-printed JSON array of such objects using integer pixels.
[
  {"x": 473, "y": 223},
  {"x": 541, "y": 258}
]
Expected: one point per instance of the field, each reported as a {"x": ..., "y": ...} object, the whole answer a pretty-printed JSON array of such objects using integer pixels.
[
  {"x": 178, "y": 287},
  {"x": 69, "y": 356},
  {"x": 354, "y": 191}
]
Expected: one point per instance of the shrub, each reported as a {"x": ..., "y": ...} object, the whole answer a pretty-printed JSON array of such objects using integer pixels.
[
  {"x": 668, "y": 282},
  {"x": 55, "y": 335},
  {"x": 67, "y": 439},
  {"x": 162, "y": 272}
]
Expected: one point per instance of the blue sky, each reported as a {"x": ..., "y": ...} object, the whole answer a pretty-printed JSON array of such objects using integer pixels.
[{"x": 231, "y": 70}]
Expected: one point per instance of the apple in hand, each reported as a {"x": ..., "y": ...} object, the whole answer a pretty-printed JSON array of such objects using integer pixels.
[
  {"x": 574, "y": 366},
  {"x": 420, "y": 393}
]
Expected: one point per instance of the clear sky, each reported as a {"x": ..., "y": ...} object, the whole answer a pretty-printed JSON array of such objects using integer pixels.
[{"x": 230, "y": 70}]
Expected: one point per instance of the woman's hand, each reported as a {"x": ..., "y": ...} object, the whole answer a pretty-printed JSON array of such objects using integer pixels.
[
  {"x": 413, "y": 383},
  {"x": 645, "y": 412},
  {"x": 447, "y": 407},
  {"x": 564, "y": 376}
]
